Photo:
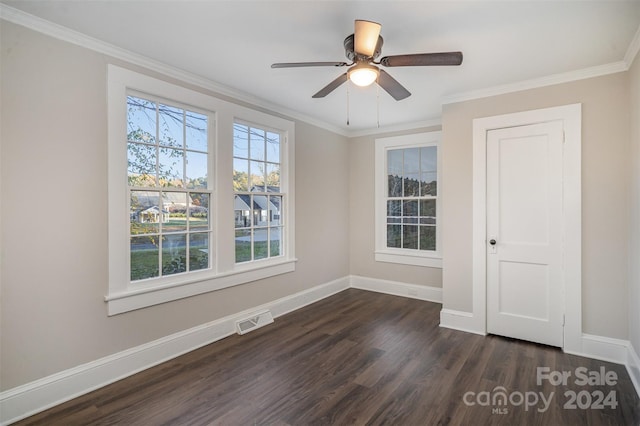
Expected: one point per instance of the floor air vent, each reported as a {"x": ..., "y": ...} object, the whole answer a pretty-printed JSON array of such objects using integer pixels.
[{"x": 255, "y": 321}]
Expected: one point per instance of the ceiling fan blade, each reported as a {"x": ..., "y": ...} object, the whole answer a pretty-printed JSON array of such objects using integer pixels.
[
  {"x": 422, "y": 59},
  {"x": 308, "y": 64},
  {"x": 331, "y": 86},
  {"x": 366, "y": 37},
  {"x": 391, "y": 85}
]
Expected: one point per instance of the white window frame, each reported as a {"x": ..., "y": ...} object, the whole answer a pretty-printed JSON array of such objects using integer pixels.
[
  {"x": 383, "y": 253},
  {"x": 124, "y": 295}
]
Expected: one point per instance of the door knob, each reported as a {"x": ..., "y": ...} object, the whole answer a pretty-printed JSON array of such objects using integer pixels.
[{"x": 492, "y": 242}]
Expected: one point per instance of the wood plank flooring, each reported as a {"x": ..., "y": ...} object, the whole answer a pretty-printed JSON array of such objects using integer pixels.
[{"x": 355, "y": 358}]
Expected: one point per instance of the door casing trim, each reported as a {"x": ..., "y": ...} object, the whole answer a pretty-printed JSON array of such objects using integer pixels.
[{"x": 571, "y": 116}]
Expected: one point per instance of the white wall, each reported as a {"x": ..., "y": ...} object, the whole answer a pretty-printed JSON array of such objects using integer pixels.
[
  {"x": 605, "y": 198},
  {"x": 54, "y": 224}
]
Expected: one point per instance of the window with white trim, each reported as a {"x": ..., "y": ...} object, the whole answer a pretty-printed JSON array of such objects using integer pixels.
[
  {"x": 407, "y": 205},
  {"x": 174, "y": 231}
]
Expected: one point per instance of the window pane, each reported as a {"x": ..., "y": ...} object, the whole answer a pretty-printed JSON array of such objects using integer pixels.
[
  {"x": 273, "y": 147},
  {"x": 273, "y": 177},
  {"x": 260, "y": 243},
  {"x": 411, "y": 185},
  {"x": 257, "y": 144},
  {"x": 243, "y": 245},
  {"x": 410, "y": 208},
  {"x": 144, "y": 258},
  {"x": 427, "y": 238},
  {"x": 275, "y": 206},
  {"x": 199, "y": 211},
  {"x": 141, "y": 168},
  {"x": 196, "y": 170},
  {"x": 141, "y": 120},
  {"x": 171, "y": 167},
  {"x": 240, "y": 175},
  {"x": 394, "y": 162},
  {"x": 275, "y": 242},
  {"x": 198, "y": 251},
  {"x": 170, "y": 126},
  {"x": 395, "y": 186},
  {"x": 394, "y": 208},
  {"x": 428, "y": 184},
  {"x": 196, "y": 129},
  {"x": 242, "y": 207},
  {"x": 411, "y": 160},
  {"x": 257, "y": 176},
  {"x": 394, "y": 236},
  {"x": 428, "y": 159},
  {"x": 174, "y": 254},
  {"x": 145, "y": 212},
  {"x": 174, "y": 211},
  {"x": 240, "y": 141},
  {"x": 260, "y": 210},
  {"x": 428, "y": 208},
  {"x": 410, "y": 236}
]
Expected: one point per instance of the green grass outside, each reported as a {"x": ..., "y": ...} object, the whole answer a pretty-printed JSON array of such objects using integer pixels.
[{"x": 144, "y": 263}]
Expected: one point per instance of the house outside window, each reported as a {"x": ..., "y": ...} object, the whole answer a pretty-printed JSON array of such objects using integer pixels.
[{"x": 407, "y": 205}]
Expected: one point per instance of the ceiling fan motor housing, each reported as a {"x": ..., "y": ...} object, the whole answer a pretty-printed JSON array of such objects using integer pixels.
[{"x": 351, "y": 54}]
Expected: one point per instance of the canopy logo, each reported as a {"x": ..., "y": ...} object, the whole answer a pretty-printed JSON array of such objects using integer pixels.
[{"x": 499, "y": 400}]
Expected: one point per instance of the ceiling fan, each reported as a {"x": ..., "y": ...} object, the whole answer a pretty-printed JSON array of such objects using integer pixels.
[{"x": 362, "y": 48}]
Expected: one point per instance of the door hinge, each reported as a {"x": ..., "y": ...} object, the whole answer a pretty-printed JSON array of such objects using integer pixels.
[{"x": 563, "y": 319}]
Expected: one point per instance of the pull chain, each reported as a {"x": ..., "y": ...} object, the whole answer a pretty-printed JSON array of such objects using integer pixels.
[{"x": 378, "y": 103}]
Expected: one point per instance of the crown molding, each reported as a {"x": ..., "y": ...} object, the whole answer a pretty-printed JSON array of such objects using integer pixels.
[
  {"x": 597, "y": 71},
  {"x": 550, "y": 80},
  {"x": 60, "y": 32}
]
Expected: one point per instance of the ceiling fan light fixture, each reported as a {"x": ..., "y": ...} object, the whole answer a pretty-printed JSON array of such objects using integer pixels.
[{"x": 363, "y": 74}]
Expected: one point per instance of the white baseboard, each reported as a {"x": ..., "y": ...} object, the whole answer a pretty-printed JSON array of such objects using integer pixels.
[
  {"x": 612, "y": 350},
  {"x": 633, "y": 367},
  {"x": 413, "y": 291},
  {"x": 603, "y": 348},
  {"x": 459, "y": 320},
  {"x": 31, "y": 398}
]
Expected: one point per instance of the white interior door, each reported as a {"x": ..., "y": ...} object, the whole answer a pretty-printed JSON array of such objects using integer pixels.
[{"x": 524, "y": 233}]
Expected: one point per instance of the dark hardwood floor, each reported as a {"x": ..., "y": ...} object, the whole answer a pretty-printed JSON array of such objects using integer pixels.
[{"x": 359, "y": 358}]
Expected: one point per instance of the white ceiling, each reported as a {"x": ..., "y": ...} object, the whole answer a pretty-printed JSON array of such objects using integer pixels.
[{"x": 233, "y": 43}]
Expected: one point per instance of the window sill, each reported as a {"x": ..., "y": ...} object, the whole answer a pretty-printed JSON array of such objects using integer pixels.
[
  {"x": 139, "y": 296},
  {"x": 409, "y": 258}
]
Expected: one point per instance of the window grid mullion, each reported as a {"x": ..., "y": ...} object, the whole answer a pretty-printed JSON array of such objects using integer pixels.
[
  {"x": 157, "y": 119},
  {"x": 184, "y": 148}
]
